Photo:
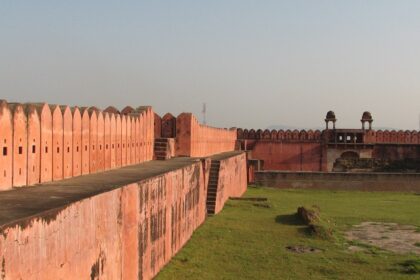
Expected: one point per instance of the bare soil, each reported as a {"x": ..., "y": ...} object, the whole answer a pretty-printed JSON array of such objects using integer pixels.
[
  {"x": 302, "y": 249},
  {"x": 401, "y": 239}
]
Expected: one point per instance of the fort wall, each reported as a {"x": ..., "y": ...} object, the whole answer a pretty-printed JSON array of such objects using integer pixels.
[
  {"x": 122, "y": 224},
  {"x": 196, "y": 140},
  {"x": 340, "y": 180},
  {"x": 318, "y": 151},
  {"x": 41, "y": 142},
  {"x": 232, "y": 179}
]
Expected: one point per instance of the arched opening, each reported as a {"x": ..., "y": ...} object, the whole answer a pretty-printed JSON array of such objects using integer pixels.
[{"x": 349, "y": 155}]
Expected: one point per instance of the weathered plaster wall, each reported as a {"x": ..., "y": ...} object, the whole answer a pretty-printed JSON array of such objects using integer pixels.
[
  {"x": 396, "y": 152},
  {"x": 335, "y": 153},
  {"x": 232, "y": 179},
  {"x": 127, "y": 233},
  {"x": 296, "y": 156},
  {"x": 196, "y": 140},
  {"x": 339, "y": 180},
  {"x": 41, "y": 143}
]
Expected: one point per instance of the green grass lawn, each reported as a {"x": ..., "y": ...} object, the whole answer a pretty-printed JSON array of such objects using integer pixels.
[{"x": 245, "y": 241}]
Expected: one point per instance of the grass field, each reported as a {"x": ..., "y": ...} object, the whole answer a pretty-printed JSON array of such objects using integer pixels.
[{"x": 246, "y": 241}]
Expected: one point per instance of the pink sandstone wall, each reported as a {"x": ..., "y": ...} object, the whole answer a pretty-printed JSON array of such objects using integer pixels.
[
  {"x": 168, "y": 127},
  {"x": 127, "y": 233},
  {"x": 118, "y": 139},
  {"x": 101, "y": 142},
  {"x": 46, "y": 143},
  {"x": 297, "y": 156},
  {"x": 85, "y": 141},
  {"x": 107, "y": 139},
  {"x": 232, "y": 179},
  {"x": 42, "y": 143},
  {"x": 133, "y": 141},
  {"x": 138, "y": 137},
  {"x": 93, "y": 141},
  {"x": 396, "y": 137},
  {"x": 158, "y": 125},
  {"x": 113, "y": 140},
  {"x": 19, "y": 146},
  {"x": 57, "y": 138},
  {"x": 196, "y": 140},
  {"x": 156, "y": 217},
  {"x": 34, "y": 138},
  {"x": 6, "y": 147},
  {"x": 77, "y": 142},
  {"x": 67, "y": 142}
]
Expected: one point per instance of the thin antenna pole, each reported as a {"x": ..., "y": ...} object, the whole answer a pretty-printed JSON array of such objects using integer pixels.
[{"x": 204, "y": 113}]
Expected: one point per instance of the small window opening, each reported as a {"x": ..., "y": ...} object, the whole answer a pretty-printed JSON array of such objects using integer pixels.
[
  {"x": 33, "y": 149},
  {"x": 85, "y": 147},
  {"x": 20, "y": 150},
  {"x": 58, "y": 150},
  {"x": 77, "y": 149},
  {"x": 68, "y": 149},
  {"x": 4, "y": 151},
  {"x": 46, "y": 150}
]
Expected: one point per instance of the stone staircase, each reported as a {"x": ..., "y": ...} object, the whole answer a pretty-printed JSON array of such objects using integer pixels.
[
  {"x": 212, "y": 188},
  {"x": 161, "y": 149}
]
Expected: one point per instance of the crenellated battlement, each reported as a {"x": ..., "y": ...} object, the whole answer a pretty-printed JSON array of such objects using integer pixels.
[
  {"x": 41, "y": 142},
  {"x": 371, "y": 136},
  {"x": 280, "y": 135}
]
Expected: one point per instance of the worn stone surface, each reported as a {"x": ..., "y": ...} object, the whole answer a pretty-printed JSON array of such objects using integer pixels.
[
  {"x": 119, "y": 224},
  {"x": 197, "y": 140},
  {"x": 232, "y": 181}
]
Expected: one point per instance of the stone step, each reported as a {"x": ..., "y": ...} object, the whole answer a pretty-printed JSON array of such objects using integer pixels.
[
  {"x": 160, "y": 145},
  {"x": 161, "y": 140}
]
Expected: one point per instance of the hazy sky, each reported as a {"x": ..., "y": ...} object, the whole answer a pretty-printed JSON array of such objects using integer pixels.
[{"x": 255, "y": 63}]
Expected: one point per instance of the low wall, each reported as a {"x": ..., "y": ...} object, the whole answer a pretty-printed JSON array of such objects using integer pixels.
[
  {"x": 340, "y": 180},
  {"x": 121, "y": 224},
  {"x": 232, "y": 179},
  {"x": 196, "y": 140}
]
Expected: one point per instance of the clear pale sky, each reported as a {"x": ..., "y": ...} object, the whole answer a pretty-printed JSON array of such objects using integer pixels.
[{"x": 255, "y": 63}]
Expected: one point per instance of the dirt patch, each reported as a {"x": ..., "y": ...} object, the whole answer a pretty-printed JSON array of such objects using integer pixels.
[
  {"x": 401, "y": 239},
  {"x": 249, "y": 198},
  {"x": 262, "y": 205},
  {"x": 302, "y": 249}
]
